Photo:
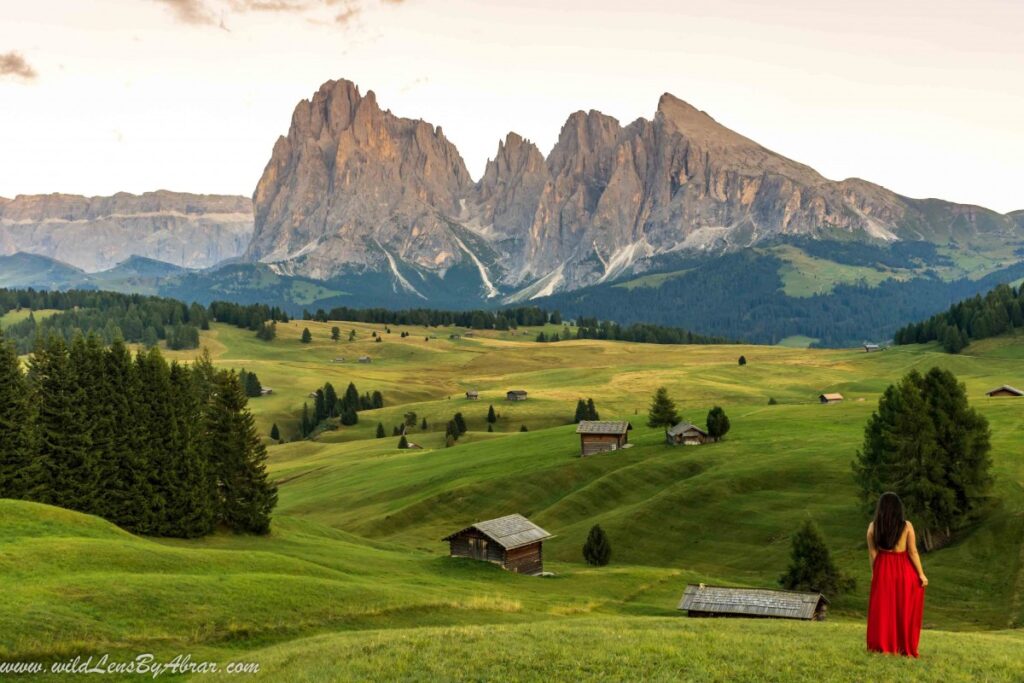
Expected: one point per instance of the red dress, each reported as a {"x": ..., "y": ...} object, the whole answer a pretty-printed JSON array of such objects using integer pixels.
[{"x": 895, "y": 606}]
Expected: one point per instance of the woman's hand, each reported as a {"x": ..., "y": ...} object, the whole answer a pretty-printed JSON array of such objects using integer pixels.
[{"x": 924, "y": 580}]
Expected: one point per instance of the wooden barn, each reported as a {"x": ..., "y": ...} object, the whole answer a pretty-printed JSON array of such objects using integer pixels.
[
  {"x": 516, "y": 395},
  {"x": 601, "y": 436},
  {"x": 759, "y": 603},
  {"x": 830, "y": 398},
  {"x": 1005, "y": 390},
  {"x": 513, "y": 541},
  {"x": 869, "y": 348},
  {"x": 686, "y": 434},
  {"x": 364, "y": 359},
  {"x": 473, "y": 395}
]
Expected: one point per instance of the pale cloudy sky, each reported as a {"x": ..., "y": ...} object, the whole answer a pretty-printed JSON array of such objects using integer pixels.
[{"x": 923, "y": 96}]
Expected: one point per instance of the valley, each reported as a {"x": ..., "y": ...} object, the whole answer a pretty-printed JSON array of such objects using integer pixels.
[{"x": 353, "y": 581}]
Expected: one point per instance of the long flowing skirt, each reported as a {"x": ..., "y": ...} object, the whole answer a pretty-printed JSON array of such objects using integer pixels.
[{"x": 895, "y": 606}]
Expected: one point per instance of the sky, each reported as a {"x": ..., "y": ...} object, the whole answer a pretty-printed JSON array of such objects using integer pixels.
[{"x": 100, "y": 96}]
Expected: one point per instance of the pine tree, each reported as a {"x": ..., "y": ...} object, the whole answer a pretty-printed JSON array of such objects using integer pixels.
[
  {"x": 275, "y": 433},
  {"x": 491, "y": 417},
  {"x": 423, "y": 425},
  {"x": 16, "y": 426},
  {"x": 380, "y": 430},
  {"x": 811, "y": 567},
  {"x": 189, "y": 496},
  {"x": 349, "y": 416},
  {"x": 523, "y": 428},
  {"x": 592, "y": 410},
  {"x": 663, "y": 410},
  {"x": 306, "y": 336},
  {"x": 237, "y": 457},
  {"x": 460, "y": 423},
  {"x": 743, "y": 360},
  {"x": 330, "y": 400},
  {"x": 305, "y": 427},
  {"x": 127, "y": 483},
  {"x": 581, "y": 411},
  {"x": 403, "y": 442},
  {"x": 68, "y": 474},
  {"x": 335, "y": 333},
  {"x": 319, "y": 406},
  {"x": 490, "y": 428},
  {"x": 377, "y": 400},
  {"x": 717, "y": 423},
  {"x": 597, "y": 551},
  {"x": 351, "y": 398}
]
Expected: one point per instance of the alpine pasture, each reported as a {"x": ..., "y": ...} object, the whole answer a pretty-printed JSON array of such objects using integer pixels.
[{"x": 353, "y": 582}]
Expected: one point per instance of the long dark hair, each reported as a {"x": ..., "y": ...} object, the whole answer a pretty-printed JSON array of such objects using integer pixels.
[{"x": 889, "y": 521}]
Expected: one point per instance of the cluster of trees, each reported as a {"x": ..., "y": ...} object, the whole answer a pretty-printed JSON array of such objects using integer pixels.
[
  {"x": 110, "y": 316},
  {"x": 508, "y": 318},
  {"x": 998, "y": 312},
  {"x": 156, "y": 448},
  {"x": 663, "y": 413},
  {"x": 247, "y": 316},
  {"x": 250, "y": 384},
  {"x": 591, "y": 328},
  {"x": 741, "y": 296},
  {"x": 327, "y": 403},
  {"x": 455, "y": 428},
  {"x": 585, "y": 410},
  {"x": 928, "y": 445}
]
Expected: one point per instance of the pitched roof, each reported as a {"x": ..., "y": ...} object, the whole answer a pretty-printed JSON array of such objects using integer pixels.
[
  {"x": 832, "y": 397},
  {"x": 754, "y": 602},
  {"x": 683, "y": 427},
  {"x": 1006, "y": 387},
  {"x": 510, "y": 531},
  {"x": 603, "y": 427}
]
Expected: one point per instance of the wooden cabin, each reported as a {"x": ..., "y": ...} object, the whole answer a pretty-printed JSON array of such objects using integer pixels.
[
  {"x": 516, "y": 395},
  {"x": 364, "y": 359},
  {"x": 830, "y": 398},
  {"x": 266, "y": 391},
  {"x": 601, "y": 436},
  {"x": 473, "y": 395},
  {"x": 513, "y": 542},
  {"x": 339, "y": 359},
  {"x": 454, "y": 336},
  {"x": 1005, "y": 390},
  {"x": 686, "y": 434},
  {"x": 760, "y": 603},
  {"x": 868, "y": 348}
]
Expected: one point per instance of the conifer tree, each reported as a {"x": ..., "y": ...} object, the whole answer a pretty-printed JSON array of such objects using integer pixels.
[
  {"x": 319, "y": 406},
  {"x": 523, "y": 428},
  {"x": 380, "y": 430},
  {"x": 245, "y": 496},
  {"x": 592, "y": 410},
  {"x": 352, "y": 397},
  {"x": 304, "y": 425},
  {"x": 335, "y": 333},
  {"x": 491, "y": 416},
  {"x": 330, "y": 400},
  {"x": 581, "y": 411},
  {"x": 275, "y": 433},
  {"x": 16, "y": 426},
  {"x": 490, "y": 428},
  {"x": 663, "y": 410},
  {"x": 403, "y": 442},
  {"x": 188, "y": 495},
  {"x": 717, "y": 423},
  {"x": 423, "y": 425},
  {"x": 127, "y": 485},
  {"x": 377, "y": 400},
  {"x": 349, "y": 416},
  {"x": 597, "y": 551},
  {"x": 811, "y": 567},
  {"x": 306, "y": 336}
]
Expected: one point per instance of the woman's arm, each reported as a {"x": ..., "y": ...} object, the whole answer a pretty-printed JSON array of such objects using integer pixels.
[
  {"x": 872, "y": 550},
  {"x": 914, "y": 557}
]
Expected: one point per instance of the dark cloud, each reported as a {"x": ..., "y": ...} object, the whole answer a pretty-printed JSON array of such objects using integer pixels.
[
  {"x": 14, "y": 65},
  {"x": 191, "y": 11}
]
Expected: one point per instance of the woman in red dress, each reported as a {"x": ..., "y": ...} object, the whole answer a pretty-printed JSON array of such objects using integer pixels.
[{"x": 897, "y": 581}]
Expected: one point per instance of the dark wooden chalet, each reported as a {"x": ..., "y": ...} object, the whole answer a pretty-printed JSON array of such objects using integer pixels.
[
  {"x": 685, "y": 434},
  {"x": 516, "y": 395},
  {"x": 830, "y": 398},
  {"x": 513, "y": 542},
  {"x": 1005, "y": 390},
  {"x": 717, "y": 601},
  {"x": 601, "y": 436}
]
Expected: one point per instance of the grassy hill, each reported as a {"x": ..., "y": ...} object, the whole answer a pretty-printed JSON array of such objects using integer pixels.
[{"x": 353, "y": 582}]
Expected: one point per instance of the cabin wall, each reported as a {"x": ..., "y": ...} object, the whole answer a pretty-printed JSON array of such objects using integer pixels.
[
  {"x": 600, "y": 443},
  {"x": 528, "y": 559}
]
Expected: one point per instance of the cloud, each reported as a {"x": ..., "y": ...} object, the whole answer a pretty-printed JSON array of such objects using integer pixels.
[
  {"x": 191, "y": 11},
  {"x": 14, "y": 65}
]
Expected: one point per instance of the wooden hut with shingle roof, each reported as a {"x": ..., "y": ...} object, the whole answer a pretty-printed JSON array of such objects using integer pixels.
[
  {"x": 601, "y": 436},
  {"x": 1005, "y": 390},
  {"x": 513, "y": 542},
  {"x": 700, "y": 600}
]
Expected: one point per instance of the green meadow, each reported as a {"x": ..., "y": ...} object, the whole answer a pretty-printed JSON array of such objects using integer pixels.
[{"x": 353, "y": 582}]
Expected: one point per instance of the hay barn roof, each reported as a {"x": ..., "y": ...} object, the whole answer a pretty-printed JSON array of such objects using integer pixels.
[
  {"x": 832, "y": 397},
  {"x": 603, "y": 427},
  {"x": 510, "y": 531},
  {"x": 1006, "y": 387},
  {"x": 684, "y": 427},
  {"x": 753, "y": 602}
]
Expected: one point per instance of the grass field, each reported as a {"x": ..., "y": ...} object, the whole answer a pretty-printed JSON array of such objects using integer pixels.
[{"x": 353, "y": 582}]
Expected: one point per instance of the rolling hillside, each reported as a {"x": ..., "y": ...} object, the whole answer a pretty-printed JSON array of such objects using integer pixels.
[{"x": 353, "y": 581}]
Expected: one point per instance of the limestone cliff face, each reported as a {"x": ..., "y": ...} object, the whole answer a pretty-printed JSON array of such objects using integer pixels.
[
  {"x": 96, "y": 233},
  {"x": 352, "y": 187},
  {"x": 355, "y": 187}
]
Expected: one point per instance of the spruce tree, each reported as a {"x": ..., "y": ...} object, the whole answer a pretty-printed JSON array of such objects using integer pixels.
[
  {"x": 743, "y": 360},
  {"x": 319, "y": 406},
  {"x": 592, "y": 410},
  {"x": 237, "y": 457},
  {"x": 491, "y": 417},
  {"x": 330, "y": 400},
  {"x": 403, "y": 442},
  {"x": 16, "y": 427},
  {"x": 460, "y": 423},
  {"x": 349, "y": 416},
  {"x": 811, "y": 567},
  {"x": 304, "y": 425},
  {"x": 189, "y": 496},
  {"x": 423, "y": 425},
  {"x": 377, "y": 400},
  {"x": 581, "y": 411},
  {"x": 306, "y": 336},
  {"x": 597, "y": 551},
  {"x": 335, "y": 333},
  {"x": 128, "y": 488},
  {"x": 275, "y": 433},
  {"x": 380, "y": 430},
  {"x": 717, "y": 423},
  {"x": 523, "y": 428},
  {"x": 351, "y": 398},
  {"x": 663, "y": 410}
]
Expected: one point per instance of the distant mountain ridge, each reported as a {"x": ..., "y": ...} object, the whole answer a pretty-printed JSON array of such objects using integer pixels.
[
  {"x": 97, "y": 233},
  {"x": 354, "y": 189}
]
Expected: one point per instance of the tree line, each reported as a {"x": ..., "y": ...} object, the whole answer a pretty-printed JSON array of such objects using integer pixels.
[
  {"x": 328, "y": 404},
  {"x": 504, "y": 319},
  {"x": 999, "y": 311},
  {"x": 156, "y": 448}
]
